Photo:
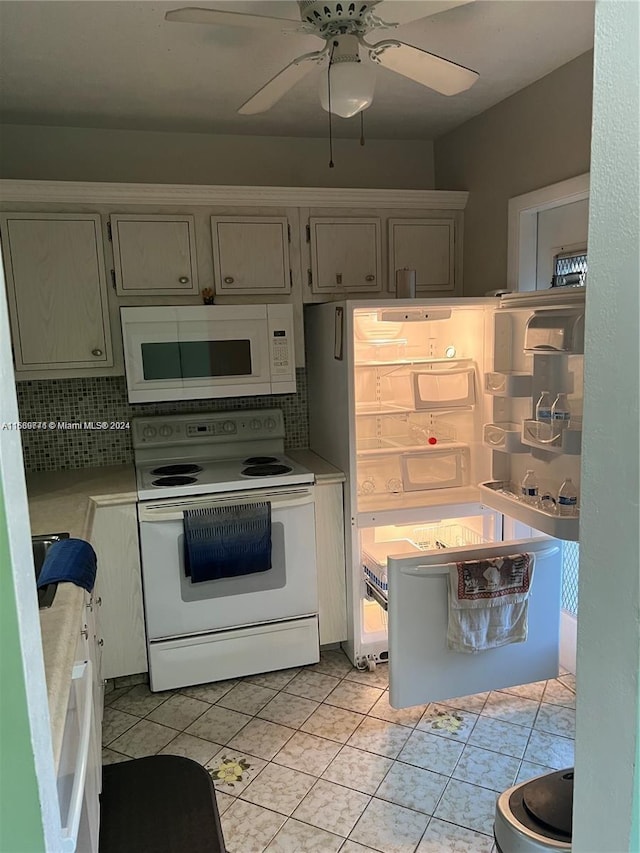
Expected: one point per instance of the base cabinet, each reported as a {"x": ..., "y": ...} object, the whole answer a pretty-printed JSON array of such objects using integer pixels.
[
  {"x": 114, "y": 537},
  {"x": 330, "y": 562}
]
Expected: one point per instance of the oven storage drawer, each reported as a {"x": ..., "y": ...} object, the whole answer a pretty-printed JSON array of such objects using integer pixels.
[{"x": 233, "y": 654}]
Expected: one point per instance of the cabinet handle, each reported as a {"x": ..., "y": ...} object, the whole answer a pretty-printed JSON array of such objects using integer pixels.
[
  {"x": 228, "y": 279},
  {"x": 369, "y": 278},
  {"x": 338, "y": 278},
  {"x": 99, "y": 601},
  {"x": 85, "y": 632},
  {"x": 184, "y": 279},
  {"x": 97, "y": 352}
]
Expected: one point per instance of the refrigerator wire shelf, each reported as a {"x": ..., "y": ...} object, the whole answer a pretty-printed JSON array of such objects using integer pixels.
[{"x": 432, "y": 538}]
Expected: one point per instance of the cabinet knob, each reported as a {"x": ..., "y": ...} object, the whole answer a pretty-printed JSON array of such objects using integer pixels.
[
  {"x": 99, "y": 601},
  {"x": 184, "y": 279},
  {"x": 101, "y": 642},
  {"x": 369, "y": 278},
  {"x": 228, "y": 279},
  {"x": 97, "y": 352}
]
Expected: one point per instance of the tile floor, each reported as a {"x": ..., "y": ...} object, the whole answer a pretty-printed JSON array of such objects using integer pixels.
[{"x": 315, "y": 759}]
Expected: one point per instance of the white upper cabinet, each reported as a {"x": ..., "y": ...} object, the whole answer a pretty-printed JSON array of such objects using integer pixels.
[
  {"x": 345, "y": 254},
  {"x": 154, "y": 255},
  {"x": 251, "y": 254},
  {"x": 427, "y": 246},
  {"x": 56, "y": 289}
]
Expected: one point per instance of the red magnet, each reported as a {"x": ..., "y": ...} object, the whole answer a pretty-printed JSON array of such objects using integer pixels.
[{"x": 433, "y": 440}]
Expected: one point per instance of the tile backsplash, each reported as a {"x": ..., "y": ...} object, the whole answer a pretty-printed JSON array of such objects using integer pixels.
[{"x": 76, "y": 401}]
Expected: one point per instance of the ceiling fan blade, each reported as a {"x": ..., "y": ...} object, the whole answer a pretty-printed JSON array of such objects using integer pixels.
[
  {"x": 193, "y": 15},
  {"x": 403, "y": 11},
  {"x": 425, "y": 68},
  {"x": 279, "y": 85}
]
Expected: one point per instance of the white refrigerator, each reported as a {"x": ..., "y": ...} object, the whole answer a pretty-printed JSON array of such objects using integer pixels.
[{"x": 429, "y": 407}]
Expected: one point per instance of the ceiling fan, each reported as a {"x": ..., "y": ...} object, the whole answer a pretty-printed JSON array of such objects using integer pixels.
[{"x": 350, "y": 60}]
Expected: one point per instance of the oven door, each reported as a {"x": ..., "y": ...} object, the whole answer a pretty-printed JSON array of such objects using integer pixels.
[
  {"x": 174, "y": 606},
  {"x": 193, "y": 352}
]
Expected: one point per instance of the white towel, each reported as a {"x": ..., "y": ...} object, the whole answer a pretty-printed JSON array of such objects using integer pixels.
[{"x": 488, "y": 602}]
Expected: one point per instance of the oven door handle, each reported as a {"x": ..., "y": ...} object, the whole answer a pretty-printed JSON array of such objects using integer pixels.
[{"x": 175, "y": 510}]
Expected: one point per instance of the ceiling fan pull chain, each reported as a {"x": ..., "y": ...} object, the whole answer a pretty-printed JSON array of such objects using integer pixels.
[{"x": 333, "y": 47}]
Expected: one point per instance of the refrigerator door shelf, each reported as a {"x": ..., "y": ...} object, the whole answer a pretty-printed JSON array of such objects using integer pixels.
[
  {"x": 553, "y": 332},
  {"x": 504, "y": 384},
  {"x": 505, "y": 437},
  {"x": 423, "y": 669},
  {"x": 546, "y": 436},
  {"x": 503, "y": 497}
]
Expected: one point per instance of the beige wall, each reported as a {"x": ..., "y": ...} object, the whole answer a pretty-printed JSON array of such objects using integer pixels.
[
  {"x": 537, "y": 137},
  {"x": 90, "y": 154}
]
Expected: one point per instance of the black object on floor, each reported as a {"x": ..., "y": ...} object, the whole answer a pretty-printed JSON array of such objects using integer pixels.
[{"x": 159, "y": 804}]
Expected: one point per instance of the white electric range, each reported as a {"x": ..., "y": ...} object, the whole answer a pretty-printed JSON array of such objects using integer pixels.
[{"x": 234, "y": 626}]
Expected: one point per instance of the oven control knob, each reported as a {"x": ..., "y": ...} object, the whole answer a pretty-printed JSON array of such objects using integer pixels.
[
  {"x": 229, "y": 426},
  {"x": 149, "y": 432},
  {"x": 270, "y": 423},
  {"x": 255, "y": 424},
  {"x": 165, "y": 431}
]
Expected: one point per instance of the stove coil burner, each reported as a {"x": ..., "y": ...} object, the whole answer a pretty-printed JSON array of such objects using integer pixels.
[
  {"x": 265, "y": 470},
  {"x": 174, "y": 481},
  {"x": 170, "y": 470},
  {"x": 260, "y": 460}
]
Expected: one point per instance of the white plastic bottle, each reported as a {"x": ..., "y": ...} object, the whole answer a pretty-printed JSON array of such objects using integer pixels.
[
  {"x": 568, "y": 498},
  {"x": 543, "y": 408},
  {"x": 560, "y": 413},
  {"x": 529, "y": 488}
]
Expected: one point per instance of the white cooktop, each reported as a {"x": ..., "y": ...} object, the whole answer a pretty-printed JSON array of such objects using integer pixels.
[
  {"x": 216, "y": 476},
  {"x": 220, "y": 445}
]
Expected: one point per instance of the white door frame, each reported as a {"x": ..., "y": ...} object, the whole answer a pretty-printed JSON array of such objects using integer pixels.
[{"x": 522, "y": 249}]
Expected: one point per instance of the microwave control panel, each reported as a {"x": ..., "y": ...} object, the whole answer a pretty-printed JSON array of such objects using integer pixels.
[{"x": 280, "y": 355}]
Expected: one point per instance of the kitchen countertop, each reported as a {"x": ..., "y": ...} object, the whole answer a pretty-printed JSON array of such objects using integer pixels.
[
  {"x": 63, "y": 501},
  {"x": 324, "y": 471}
]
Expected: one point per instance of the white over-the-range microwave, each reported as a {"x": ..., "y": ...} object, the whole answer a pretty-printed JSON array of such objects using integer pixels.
[{"x": 201, "y": 351}]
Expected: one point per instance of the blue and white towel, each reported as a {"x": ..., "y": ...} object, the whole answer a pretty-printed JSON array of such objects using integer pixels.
[
  {"x": 227, "y": 541},
  {"x": 69, "y": 560}
]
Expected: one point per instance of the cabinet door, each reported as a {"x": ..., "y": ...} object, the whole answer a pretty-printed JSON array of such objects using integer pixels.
[
  {"x": 426, "y": 246},
  {"x": 57, "y": 291},
  {"x": 115, "y": 538},
  {"x": 330, "y": 561},
  {"x": 251, "y": 254},
  {"x": 154, "y": 255},
  {"x": 345, "y": 255}
]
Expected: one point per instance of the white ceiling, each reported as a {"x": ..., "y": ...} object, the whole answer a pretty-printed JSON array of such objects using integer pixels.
[{"x": 121, "y": 65}]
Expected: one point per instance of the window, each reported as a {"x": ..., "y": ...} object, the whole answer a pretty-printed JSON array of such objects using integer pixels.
[{"x": 570, "y": 269}]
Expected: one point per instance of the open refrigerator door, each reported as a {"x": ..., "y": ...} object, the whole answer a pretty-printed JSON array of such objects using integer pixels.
[{"x": 430, "y": 408}]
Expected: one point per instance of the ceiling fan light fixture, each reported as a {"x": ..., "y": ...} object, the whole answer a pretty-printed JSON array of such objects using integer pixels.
[{"x": 352, "y": 84}]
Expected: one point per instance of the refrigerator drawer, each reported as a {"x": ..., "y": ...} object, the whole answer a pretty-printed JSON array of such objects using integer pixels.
[
  {"x": 444, "y": 389},
  {"x": 423, "y": 669},
  {"x": 442, "y": 468}
]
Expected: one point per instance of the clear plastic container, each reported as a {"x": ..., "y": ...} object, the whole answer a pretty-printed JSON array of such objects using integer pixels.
[
  {"x": 529, "y": 488},
  {"x": 560, "y": 413},
  {"x": 568, "y": 498},
  {"x": 543, "y": 408}
]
